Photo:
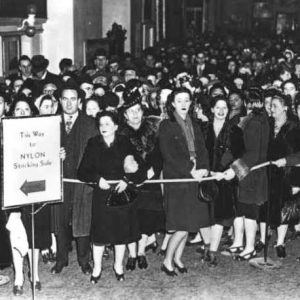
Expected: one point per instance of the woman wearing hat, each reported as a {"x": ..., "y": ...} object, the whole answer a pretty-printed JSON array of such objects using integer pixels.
[
  {"x": 143, "y": 134},
  {"x": 184, "y": 156}
]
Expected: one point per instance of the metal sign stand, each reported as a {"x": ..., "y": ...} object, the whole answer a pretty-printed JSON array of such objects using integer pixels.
[
  {"x": 32, "y": 251},
  {"x": 266, "y": 263}
]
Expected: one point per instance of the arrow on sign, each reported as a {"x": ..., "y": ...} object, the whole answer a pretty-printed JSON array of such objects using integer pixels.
[{"x": 33, "y": 186}]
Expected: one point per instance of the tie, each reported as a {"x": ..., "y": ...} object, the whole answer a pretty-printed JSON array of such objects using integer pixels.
[{"x": 69, "y": 124}]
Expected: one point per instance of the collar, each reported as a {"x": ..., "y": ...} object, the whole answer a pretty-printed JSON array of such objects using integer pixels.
[{"x": 74, "y": 116}]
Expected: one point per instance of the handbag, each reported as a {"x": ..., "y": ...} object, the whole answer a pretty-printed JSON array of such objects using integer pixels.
[
  {"x": 115, "y": 199},
  {"x": 207, "y": 191}
]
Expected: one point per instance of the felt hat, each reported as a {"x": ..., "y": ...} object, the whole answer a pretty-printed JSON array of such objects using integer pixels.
[{"x": 39, "y": 63}]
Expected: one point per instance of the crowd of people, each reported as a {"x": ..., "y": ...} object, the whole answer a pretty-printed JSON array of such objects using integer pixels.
[{"x": 215, "y": 108}]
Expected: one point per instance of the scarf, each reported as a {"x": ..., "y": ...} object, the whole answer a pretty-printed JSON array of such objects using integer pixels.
[{"x": 188, "y": 131}]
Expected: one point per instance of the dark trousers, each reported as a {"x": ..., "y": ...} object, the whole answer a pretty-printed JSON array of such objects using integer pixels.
[
  {"x": 64, "y": 240},
  {"x": 64, "y": 236}
]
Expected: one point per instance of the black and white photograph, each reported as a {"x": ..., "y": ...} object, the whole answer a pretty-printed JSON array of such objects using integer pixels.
[{"x": 150, "y": 149}]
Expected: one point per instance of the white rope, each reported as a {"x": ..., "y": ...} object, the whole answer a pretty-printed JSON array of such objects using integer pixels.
[
  {"x": 147, "y": 181},
  {"x": 177, "y": 180}
]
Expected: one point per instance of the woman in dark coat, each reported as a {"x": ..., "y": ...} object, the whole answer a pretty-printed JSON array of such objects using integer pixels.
[
  {"x": 103, "y": 160},
  {"x": 224, "y": 144},
  {"x": 184, "y": 156},
  {"x": 143, "y": 135},
  {"x": 284, "y": 142},
  {"x": 253, "y": 186}
]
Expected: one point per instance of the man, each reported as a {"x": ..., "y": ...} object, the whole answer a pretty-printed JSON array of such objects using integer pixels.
[
  {"x": 42, "y": 75},
  {"x": 73, "y": 216},
  {"x": 100, "y": 63},
  {"x": 25, "y": 70},
  {"x": 289, "y": 89},
  {"x": 202, "y": 67}
]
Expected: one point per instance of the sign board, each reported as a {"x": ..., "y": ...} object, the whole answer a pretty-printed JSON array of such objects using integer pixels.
[{"x": 31, "y": 166}]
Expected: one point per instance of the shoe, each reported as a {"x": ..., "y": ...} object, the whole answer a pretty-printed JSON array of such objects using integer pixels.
[
  {"x": 142, "y": 262},
  {"x": 204, "y": 257},
  {"x": 181, "y": 270},
  {"x": 94, "y": 279},
  {"x": 280, "y": 249},
  {"x": 213, "y": 262},
  {"x": 231, "y": 251},
  {"x": 86, "y": 269},
  {"x": 153, "y": 246},
  {"x": 190, "y": 243},
  {"x": 18, "y": 290},
  {"x": 226, "y": 240},
  {"x": 168, "y": 272},
  {"x": 259, "y": 246},
  {"x": 38, "y": 285},
  {"x": 298, "y": 259},
  {"x": 46, "y": 257},
  {"x": 58, "y": 268},
  {"x": 120, "y": 277},
  {"x": 246, "y": 256},
  {"x": 131, "y": 262},
  {"x": 52, "y": 256},
  {"x": 162, "y": 252}
]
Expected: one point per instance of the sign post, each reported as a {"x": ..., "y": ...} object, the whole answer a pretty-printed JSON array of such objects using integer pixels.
[{"x": 31, "y": 166}]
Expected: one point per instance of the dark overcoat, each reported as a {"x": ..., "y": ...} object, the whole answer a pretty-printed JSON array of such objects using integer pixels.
[
  {"x": 183, "y": 209},
  {"x": 285, "y": 143},
  {"x": 253, "y": 189},
  {"x": 76, "y": 209},
  {"x": 223, "y": 150}
]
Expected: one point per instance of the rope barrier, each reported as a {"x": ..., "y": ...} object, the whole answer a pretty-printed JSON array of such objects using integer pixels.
[{"x": 177, "y": 180}]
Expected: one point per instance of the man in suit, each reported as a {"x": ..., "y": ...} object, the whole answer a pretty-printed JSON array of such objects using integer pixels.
[
  {"x": 202, "y": 67},
  {"x": 72, "y": 218}
]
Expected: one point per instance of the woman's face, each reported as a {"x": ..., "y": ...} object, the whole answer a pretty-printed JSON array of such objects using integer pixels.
[
  {"x": 22, "y": 109},
  {"x": 277, "y": 109},
  {"x": 134, "y": 115},
  {"x": 46, "y": 107},
  {"x": 107, "y": 127},
  {"x": 92, "y": 108},
  {"x": 235, "y": 101},
  {"x": 267, "y": 104},
  {"x": 231, "y": 66},
  {"x": 220, "y": 110},
  {"x": 182, "y": 103}
]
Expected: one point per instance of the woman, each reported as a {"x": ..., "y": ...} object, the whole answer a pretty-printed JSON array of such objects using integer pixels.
[
  {"x": 224, "y": 143},
  {"x": 284, "y": 137},
  {"x": 104, "y": 160},
  {"x": 143, "y": 134},
  {"x": 184, "y": 156},
  {"x": 237, "y": 108},
  {"x": 21, "y": 107},
  {"x": 252, "y": 185}
]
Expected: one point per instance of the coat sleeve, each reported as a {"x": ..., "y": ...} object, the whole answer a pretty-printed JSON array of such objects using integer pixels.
[
  {"x": 294, "y": 141},
  {"x": 253, "y": 140},
  {"x": 141, "y": 174},
  {"x": 87, "y": 170},
  {"x": 202, "y": 160}
]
